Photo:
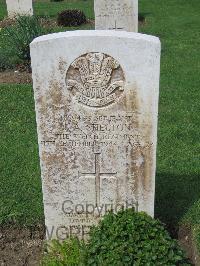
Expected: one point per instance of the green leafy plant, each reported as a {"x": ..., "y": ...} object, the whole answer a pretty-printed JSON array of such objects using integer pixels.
[
  {"x": 4, "y": 62},
  {"x": 127, "y": 238},
  {"x": 130, "y": 238},
  {"x": 20, "y": 35},
  {"x": 71, "y": 17},
  {"x": 70, "y": 252}
]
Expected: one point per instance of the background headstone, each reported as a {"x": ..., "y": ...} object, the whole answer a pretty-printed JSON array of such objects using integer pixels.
[
  {"x": 116, "y": 14},
  {"x": 19, "y": 7},
  {"x": 96, "y": 100}
]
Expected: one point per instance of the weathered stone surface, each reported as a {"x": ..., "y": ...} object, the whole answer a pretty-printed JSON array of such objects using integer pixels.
[
  {"x": 116, "y": 14},
  {"x": 96, "y": 99},
  {"x": 19, "y": 7}
]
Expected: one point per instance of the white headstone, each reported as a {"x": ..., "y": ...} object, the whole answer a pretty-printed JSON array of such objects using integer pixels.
[
  {"x": 116, "y": 14},
  {"x": 96, "y": 100},
  {"x": 19, "y": 7}
]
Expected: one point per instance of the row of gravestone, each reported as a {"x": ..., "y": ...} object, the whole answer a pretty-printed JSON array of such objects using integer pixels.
[
  {"x": 96, "y": 101},
  {"x": 115, "y": 14}
]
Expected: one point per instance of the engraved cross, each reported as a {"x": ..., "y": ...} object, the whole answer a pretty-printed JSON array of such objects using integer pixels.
[
  {"x": 98, "y": 174},
  {"x": 115, "y": 28}
]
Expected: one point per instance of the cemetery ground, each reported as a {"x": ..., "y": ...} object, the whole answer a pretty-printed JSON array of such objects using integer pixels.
[{"x": 176, "y": 23}]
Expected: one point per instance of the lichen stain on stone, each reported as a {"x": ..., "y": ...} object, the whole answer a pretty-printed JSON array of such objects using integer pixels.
[
  {"x": 131, "y": 101},
  {"x": 41, "y": 101},
  {"x": 50, "y": 161},
  {"x": 62, "y": 66},
  {"x": 136, "y": 169},
  {"x": 148, "y": 153},
  {"x": 139, "y": 157},
  {"x": 55, "y": 93},
  {"x": 141, "y": 166}
]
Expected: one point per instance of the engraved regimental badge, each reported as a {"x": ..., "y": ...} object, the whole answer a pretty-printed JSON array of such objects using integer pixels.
[{"x": 95, "y": 79}]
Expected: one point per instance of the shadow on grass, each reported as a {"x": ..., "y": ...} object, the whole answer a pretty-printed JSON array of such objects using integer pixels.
[
  {"x": 175, "y": 194},
  {"x": 142, "y": 17}
]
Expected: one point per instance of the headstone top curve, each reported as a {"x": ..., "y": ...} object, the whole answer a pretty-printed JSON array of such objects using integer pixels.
[{"x": 96, "y": 33}]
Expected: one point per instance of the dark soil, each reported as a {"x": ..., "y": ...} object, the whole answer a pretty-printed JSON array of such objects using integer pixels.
[
  {"x": 21, "y": 246},
  {"x": 15, "y": 77},
  {"x": 48, "y": 23},
  {"x": 187, "y": 243},
  {"x": 6, "y": 22},
  {"x": 45, "y": 22}
]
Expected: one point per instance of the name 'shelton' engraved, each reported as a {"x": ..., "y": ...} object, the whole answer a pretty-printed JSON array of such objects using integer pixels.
[{"x": 89, "y": 131}]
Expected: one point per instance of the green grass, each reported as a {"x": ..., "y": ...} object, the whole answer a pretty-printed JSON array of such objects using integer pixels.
[
  {"x": 3, "y": 11},
  {"x": 47, "y": 8},
  {"x": 177, "y": 183},
  {"x": 20, "y": 186},
  {"x": 176, "y": 22},
  {"x": 178, "y": 171}
]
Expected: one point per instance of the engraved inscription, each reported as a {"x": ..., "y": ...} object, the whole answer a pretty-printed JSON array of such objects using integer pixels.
[
  {"x": 87, "y": 131},
  {"x": 95, "y": 79},
  {"x": 115, "y": 9}
]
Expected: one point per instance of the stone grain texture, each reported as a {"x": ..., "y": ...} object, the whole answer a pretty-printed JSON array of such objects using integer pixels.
[
  {"x": 116, "y": 14},
  {"x": 96, "y": 101},
  {"x": 19, "y": 7}
]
